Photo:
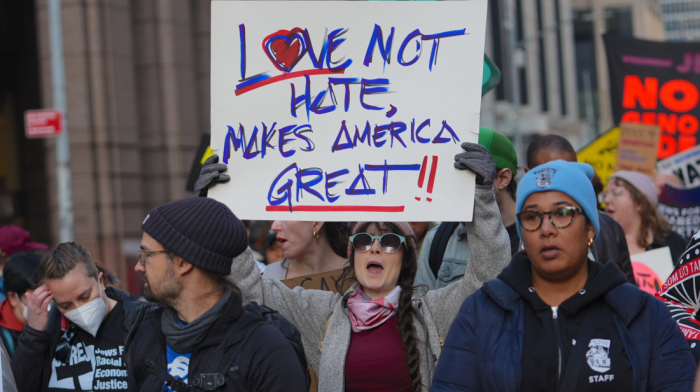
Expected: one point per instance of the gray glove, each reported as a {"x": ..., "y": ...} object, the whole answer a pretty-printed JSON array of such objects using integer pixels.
[
  {"x": 210, "y": 175},
  {"x": 477, "y": 159}
]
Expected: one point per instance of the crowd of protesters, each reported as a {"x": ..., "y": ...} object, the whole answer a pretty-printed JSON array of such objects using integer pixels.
[{"x": 536, "y": 293}]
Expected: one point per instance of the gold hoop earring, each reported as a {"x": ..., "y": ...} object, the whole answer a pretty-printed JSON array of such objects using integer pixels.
[
  {"x": 590, "y": 242},
  {"x": 316, "y": 234}
]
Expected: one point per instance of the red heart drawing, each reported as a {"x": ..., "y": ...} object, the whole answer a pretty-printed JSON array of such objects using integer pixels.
[{"x": 285, "y": 48}]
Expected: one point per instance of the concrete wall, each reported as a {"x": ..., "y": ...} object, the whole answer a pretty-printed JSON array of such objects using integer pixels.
[{"x": 137, "y": 76}]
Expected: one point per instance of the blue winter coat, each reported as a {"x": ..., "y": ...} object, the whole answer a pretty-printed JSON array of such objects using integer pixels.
[{"x": 483, "y": 349}]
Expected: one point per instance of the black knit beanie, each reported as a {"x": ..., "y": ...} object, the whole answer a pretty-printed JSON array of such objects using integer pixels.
[{"x": 202, "y": 231}]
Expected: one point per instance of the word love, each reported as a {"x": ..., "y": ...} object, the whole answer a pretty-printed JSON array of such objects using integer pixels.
[{"x": 286, "y": 48}]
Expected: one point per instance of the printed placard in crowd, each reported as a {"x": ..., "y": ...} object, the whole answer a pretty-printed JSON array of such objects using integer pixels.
[
  {"x": 681, "y": 207},
  {"x": 636, "y": 150},
  {"x": 655, "y": 82},
  {"x": 681, "y": 293},
  {"x": 601, "y": 153},
  {"x": 658, "y": 261},
  {"x": 322, "y": 281},
  {"x": 686, "y": 165},
  {"x": 346, "y": 111}
]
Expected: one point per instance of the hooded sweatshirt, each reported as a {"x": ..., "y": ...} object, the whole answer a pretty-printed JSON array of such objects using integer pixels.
[{"x": 551, "y": 332}]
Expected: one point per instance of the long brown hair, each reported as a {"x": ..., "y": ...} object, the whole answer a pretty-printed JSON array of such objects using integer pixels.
[
  {"x": 652, "y": 220},
  {"x": 406, "y": 311}
]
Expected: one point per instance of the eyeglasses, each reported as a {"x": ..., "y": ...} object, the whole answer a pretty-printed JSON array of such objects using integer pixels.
[
  {"x": 560, "y": 217},
  {"x": 613, "y": 192},
  {"x": 390, "y": 242},
  {"x": 144, "y": 254}
]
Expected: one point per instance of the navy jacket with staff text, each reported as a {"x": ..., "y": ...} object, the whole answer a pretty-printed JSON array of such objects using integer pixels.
[{"x": 484, "y": 347}]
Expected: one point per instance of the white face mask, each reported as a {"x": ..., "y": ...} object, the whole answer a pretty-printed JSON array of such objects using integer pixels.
[
  {"x": 89, "y": 317},
  {"x": 25, "y": 308}
]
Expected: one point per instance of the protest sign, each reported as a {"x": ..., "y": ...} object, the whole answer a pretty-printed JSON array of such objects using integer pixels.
[
  {"x": 681, "y": 208},
  {"x": 322, "y": 281},
  {"x": 636, "y": 149},
  {"x": 352, "y": 117},
  {"x": 686, "y": 165},
  {"x": 601, "y": 154},
  {"x": 656, "y": 83},
  {"x": 659, "y": 260}
]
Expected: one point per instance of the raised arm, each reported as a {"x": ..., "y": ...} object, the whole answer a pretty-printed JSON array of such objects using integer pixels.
[
  {"x": 488, "y": 241},
  {"x": 308, "y": 310}
]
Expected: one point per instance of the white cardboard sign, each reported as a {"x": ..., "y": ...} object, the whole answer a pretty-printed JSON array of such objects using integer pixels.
[
  {"x": 659, "y": 260},
  {"x": 346, "y": 111},
  {"x": 685, "y": 165}
]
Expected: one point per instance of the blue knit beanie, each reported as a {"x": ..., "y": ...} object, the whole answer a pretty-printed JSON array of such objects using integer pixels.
[
  {"x": 202, "y": 231},
  {"x": 570, "y": 178}
]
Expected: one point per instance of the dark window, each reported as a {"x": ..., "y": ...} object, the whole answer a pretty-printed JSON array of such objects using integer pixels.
[
  {"x": 584, "y": 43},
  {"x": 522, "y": 75},
  {"x": 498, "y": 46},
  {"x": 544, "y": 98},
  {"x": 560, "y": 59},
  {"x": 620, "y": 22}
]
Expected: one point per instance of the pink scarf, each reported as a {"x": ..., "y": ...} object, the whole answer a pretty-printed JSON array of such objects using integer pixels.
[{"x": 366, "y": 313}]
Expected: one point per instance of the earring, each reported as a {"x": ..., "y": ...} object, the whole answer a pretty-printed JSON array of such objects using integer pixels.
[
  {"x": 316, "y": 235},
  {"x": 590, "y": 242},
  {"x": 522, "y": 247}
]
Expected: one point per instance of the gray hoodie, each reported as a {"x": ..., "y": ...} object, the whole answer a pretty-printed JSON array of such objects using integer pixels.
[{"x": 310, "y": 310}]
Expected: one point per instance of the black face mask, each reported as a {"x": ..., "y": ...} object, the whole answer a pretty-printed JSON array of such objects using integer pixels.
[{"x": 63, "y": 349}]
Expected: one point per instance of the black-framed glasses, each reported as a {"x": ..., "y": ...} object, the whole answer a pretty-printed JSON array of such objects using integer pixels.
[
  {"x": 390, "y": 242},
  {"x": 560, "y": 217},
  {"x": 144, "y": 254}
]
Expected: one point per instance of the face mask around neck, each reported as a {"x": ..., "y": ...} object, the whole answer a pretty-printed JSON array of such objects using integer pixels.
[{"x": 89, "y": 317}]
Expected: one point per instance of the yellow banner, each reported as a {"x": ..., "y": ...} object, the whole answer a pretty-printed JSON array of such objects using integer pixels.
[{"x": 602, "y": 154}]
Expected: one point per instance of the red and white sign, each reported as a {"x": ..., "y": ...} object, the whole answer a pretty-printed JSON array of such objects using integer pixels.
[{"x": 43, "y": 123}]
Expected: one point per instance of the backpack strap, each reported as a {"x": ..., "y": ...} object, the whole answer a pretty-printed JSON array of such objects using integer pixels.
[
  {"x": 175, "y": 384},
  {"x": 221, "y": 359},
  {"x": 439, "y": 244}
]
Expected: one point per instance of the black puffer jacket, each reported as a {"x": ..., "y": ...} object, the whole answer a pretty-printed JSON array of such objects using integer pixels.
[
  {"x": 266, "y": 362},
  {"x": 611, "y": 245},
  {"x": 31, "y": 363}
]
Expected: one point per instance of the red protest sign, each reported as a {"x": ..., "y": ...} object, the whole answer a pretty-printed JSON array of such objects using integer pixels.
[{"x": 43, "y": 123}]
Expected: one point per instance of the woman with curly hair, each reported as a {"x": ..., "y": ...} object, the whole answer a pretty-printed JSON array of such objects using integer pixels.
[
  {"x": 631, "y": 200},
  {"x": 382, "y": 333}
]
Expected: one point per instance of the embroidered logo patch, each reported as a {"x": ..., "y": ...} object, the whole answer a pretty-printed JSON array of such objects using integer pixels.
[
  {"x": 544, "y": 179},
  {"x": 597, "y": 355}
]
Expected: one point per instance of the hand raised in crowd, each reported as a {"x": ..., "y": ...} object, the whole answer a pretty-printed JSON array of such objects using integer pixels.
[
  {"x": 211, "y": 174},
  {"x": 477, "y": 159},
  {"x": 38, "y": 304}
]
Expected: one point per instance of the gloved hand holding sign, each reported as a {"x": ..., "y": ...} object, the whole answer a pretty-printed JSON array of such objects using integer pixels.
[
  {"x": 477, "y": 159},
  {"x": 211, "y": 174}
]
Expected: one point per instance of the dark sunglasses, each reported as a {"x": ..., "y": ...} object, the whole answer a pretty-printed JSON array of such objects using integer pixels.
[{"x": 390, "y": 242}]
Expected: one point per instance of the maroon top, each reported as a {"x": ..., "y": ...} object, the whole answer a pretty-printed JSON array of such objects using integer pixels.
[{"x": 377, "y": 360}]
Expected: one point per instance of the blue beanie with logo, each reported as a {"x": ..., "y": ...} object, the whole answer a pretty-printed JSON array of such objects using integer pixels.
[{"x": 570, "y": 178}]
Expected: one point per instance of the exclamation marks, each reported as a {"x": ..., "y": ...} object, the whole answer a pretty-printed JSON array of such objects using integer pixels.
[{"x": 431, "y": 177}]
